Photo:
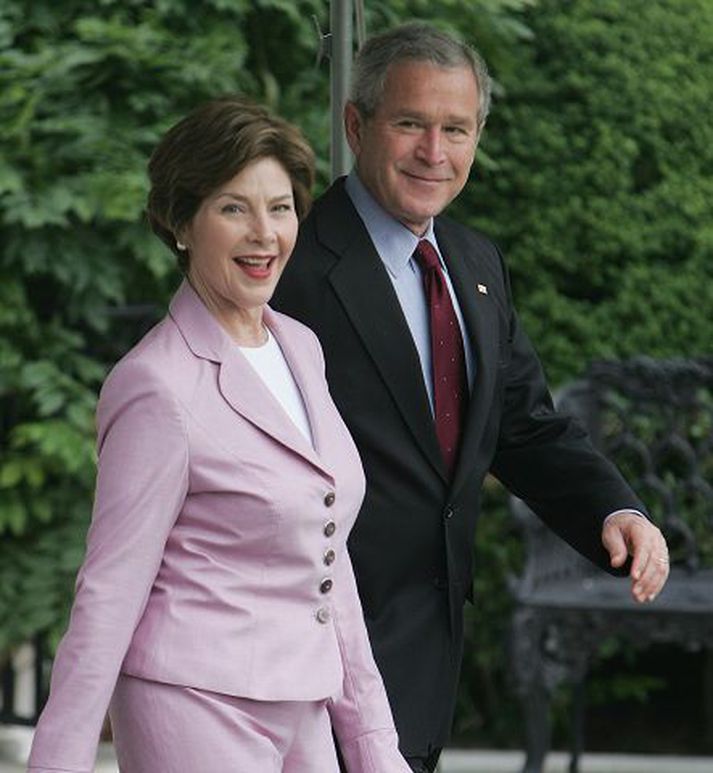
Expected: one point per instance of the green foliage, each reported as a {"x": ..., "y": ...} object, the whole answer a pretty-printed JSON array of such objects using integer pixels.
[
  {"x": 600, "y": 191},
  {"x": 594, "y": 175},
  {"x": 37, "y": 573}
]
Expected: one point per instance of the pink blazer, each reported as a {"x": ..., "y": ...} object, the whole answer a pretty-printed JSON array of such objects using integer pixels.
[{"x": 209, "y": 557}]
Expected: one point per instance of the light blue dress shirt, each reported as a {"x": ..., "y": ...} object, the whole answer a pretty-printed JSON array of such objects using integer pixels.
[{"x": 395, "y": 245}]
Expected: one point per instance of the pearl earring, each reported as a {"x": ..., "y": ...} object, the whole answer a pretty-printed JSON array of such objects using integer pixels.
[{"x": 181, "y": 246}]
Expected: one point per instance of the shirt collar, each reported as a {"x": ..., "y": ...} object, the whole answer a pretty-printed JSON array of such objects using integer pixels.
[{"x": 393, "y": 241}]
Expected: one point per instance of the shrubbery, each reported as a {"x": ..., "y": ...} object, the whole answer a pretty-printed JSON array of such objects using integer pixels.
[
  {"x": 601, "y": 187},
  {"x": 595, "y": 176}
]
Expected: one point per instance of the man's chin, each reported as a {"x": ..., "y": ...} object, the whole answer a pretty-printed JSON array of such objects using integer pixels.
[{"x": 423, "y": 214}]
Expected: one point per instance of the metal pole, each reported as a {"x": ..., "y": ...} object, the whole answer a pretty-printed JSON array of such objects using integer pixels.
[{"x": 341, "y": 14}]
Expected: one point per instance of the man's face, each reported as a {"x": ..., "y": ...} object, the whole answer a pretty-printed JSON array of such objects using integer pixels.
[{"x": 414, "y": 154}]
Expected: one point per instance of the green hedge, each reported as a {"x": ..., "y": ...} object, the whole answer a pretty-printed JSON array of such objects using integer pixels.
[
  {"x": 594, "y": 175},
  {"x": 600, "y": 189}
]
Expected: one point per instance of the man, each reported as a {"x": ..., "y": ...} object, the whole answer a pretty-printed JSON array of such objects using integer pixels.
[{"x": 435, "y": 377}]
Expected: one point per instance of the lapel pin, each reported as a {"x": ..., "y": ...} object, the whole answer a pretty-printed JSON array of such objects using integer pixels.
[{"x": 483, "y": 289}]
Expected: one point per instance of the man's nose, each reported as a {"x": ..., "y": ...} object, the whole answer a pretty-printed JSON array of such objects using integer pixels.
[{"x": 430, "y": 147}]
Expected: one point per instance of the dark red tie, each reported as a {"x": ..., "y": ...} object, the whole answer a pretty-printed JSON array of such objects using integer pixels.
[{"x": 450, "y": 383}]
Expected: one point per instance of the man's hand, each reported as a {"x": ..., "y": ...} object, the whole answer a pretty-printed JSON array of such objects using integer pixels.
[{"x": 628, "y": 534}]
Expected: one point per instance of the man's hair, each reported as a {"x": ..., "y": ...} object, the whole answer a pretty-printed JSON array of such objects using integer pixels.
[
  {"x": 208, "y": 147},
  {"x": 413, "y": 42}
]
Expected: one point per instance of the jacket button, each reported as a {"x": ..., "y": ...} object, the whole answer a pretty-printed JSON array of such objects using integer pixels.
[
  {"x": 329, "y": 498},
  {"x": 322, "y": 615},
  {"x": 448, "y": 513},
  {"x": 326, "y": 585},
  {"x": 329, "y": 528},
  {"x": 329, "y": 557}
]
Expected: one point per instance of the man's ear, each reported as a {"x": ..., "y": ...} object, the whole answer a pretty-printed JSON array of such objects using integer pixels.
[{"x": 353, "y": 123}]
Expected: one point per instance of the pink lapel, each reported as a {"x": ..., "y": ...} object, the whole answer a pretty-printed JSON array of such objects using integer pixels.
[
  {"x": 310, "y": 380},
  {"x": 240, "y": 385}
]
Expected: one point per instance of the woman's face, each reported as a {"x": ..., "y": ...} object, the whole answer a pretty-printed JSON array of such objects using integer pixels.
[{"x": 240, "y": 240}]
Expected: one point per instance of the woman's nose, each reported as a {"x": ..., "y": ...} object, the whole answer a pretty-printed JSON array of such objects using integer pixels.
[{"x": 262, "y": 227}]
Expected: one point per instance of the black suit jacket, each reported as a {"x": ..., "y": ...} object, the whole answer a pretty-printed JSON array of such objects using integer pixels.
[{"x": 412, "y": 546}]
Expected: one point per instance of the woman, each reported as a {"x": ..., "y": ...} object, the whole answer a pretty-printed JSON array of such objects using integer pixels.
[{"x": 216, "y": 613}]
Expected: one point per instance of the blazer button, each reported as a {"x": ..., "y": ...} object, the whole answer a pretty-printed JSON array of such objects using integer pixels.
[
  {"x": 329, "y": 499},
  {"x": 322, "y": 615},
  {"x": 448, "y": 513},
  {"x": 329, "y": 528},
  {"x": 329, "y": 557},
  {"x": 326, "y": 585}
]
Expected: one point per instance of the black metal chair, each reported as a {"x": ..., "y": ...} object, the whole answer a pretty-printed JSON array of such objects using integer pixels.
[{"x": 655, "y": 420}]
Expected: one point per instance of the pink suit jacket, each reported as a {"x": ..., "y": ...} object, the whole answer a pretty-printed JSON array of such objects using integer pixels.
[{"x": 207, "y": 554}]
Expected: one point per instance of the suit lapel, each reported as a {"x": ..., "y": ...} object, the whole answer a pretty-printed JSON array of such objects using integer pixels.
[
  {"x": 362, "y": 284},
  {"x": 239, "y": 384},
  {"x": 480, "y": 317},
  {"x": 311, "y": 385}
]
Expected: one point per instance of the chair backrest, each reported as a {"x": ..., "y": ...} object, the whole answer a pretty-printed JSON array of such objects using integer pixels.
[{"x": 654, "y": 420}]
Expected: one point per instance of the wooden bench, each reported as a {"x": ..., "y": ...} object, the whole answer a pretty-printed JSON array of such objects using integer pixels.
[{"x": 654, "y": 419}]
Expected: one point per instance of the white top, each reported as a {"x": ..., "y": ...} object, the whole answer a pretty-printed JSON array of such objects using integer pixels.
[{"x": 270, "y": 364}]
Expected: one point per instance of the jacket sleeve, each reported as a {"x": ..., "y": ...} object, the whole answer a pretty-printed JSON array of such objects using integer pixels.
[
  {"x": 360, "y": 714},
  {"x": 142, "y": 481},
  {"x": 546, "y": 458}
]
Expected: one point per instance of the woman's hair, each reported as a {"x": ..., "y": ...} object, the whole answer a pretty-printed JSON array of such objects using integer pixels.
[
  {"x": 208, "y": 147},
  {"x": 413, "y": 42}
]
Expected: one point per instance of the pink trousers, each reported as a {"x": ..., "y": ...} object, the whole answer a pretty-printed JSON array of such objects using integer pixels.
[{"x": 175, "y": 729}]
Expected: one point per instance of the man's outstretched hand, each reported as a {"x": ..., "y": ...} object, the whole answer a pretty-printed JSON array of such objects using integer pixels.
[{"x": 630, "y": 534}]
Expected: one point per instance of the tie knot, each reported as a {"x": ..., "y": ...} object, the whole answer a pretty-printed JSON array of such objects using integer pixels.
[{"x": 426, "y": 255}]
